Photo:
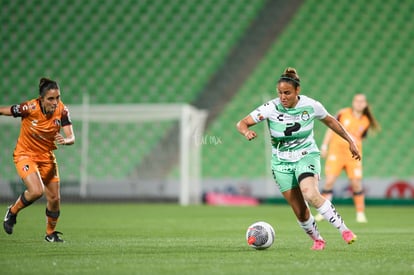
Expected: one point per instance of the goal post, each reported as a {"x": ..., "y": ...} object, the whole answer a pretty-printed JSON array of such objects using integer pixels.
[
  {"x": 190, "y": 121},
  {"x": 146, "y": 152}
]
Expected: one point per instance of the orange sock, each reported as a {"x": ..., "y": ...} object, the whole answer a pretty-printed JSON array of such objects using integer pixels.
[
  {"x": 51, "y": 221},
  {"x": 20, "y": 203},
  {"x": 51, "y": 225},
  {"x": 359, "y": 202}
]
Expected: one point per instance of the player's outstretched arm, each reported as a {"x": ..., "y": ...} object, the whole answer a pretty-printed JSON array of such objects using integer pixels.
[{"x": 5, "y": 110}]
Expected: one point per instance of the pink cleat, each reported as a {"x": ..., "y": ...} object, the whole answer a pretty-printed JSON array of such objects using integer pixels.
[
  {"x": 348, "y": 236},
  {"x": 318, "y": 245}
]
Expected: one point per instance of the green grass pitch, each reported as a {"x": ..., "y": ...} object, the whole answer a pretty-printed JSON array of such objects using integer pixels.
[{"x": 171, "y": 239}]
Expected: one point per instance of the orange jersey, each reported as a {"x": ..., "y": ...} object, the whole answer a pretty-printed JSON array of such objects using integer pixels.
[
  {"x": 38, "y": 130},
  {"x": 356, "y": 127},
  {"x": 339, "y": 157}
]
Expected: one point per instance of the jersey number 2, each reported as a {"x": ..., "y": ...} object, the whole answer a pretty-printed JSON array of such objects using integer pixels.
[{"x": 290, "y": 128}]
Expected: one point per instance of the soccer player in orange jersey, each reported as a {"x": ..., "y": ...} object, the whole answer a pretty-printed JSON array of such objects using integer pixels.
[
  {"x": 357, "y": 120},
  {"x": 42, "y": 120}
]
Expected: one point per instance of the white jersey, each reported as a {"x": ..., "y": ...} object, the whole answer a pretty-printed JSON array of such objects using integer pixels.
[{"x": 291, "y": 129}]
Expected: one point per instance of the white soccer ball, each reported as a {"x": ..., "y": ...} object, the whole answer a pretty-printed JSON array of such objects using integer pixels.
[{"x": 260, "y": 235}]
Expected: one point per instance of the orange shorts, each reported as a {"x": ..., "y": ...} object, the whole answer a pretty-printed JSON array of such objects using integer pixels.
[
  {"x": 336, "y": 162},
  {"x": 48, "y": 171}
]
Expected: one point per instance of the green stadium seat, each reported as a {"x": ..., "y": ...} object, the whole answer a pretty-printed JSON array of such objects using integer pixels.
[
  {"x": 157, "y": 51},
  {"x": 338, "y": 53}
]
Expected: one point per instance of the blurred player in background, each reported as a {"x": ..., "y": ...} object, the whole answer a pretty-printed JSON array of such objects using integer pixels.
[
  {"x": 41, "y": 121},
  {"x": 356, "y": 120},
  {"x": 295, "y": 156}
]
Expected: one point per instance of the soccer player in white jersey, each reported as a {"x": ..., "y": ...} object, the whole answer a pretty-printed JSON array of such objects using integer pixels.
[{"x": 295, "y": 156}]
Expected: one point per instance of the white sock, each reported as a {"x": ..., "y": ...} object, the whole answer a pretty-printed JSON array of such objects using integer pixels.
[
  {"x": 311, "y": 228},
  {"x": 328, "y": 211}
]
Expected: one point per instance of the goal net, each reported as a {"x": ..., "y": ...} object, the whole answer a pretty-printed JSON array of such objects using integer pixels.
[{"x": 136, "y": 151}]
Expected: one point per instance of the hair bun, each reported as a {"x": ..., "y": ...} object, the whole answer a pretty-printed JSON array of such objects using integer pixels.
[
  {"x": 43, "y": 81},
  {"x": 290, "y": 71}
]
